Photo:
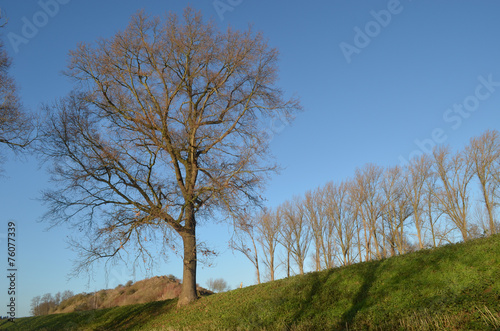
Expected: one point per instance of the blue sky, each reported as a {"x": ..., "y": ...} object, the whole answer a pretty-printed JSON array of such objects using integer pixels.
[{"x": 415, "y": 65}]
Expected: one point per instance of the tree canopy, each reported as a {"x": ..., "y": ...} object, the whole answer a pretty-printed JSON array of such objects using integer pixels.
[{"x": 163, "y": 128}]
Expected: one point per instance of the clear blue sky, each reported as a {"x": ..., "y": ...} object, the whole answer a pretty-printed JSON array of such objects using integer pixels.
[{"x": 377, "y": 79}]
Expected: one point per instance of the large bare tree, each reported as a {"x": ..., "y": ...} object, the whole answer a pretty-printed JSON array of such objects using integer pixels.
[{"x": 163, "y": 128}]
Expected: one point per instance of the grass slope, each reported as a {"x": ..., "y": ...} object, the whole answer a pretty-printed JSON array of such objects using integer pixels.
[{"x": 456, "y": 287}]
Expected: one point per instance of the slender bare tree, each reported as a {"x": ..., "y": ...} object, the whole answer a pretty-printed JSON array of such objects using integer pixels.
[
  {"x": 431, "y": 213},
  {"x": 371, "y": 205},
  {"x": 418, "y": 172},
  {"x": 296, "y": 230},
  {"x": 268, "y": 226},
  {"x": 455, "y": 172},
  {"x": 342, "y": 217},
  {"x": 312, "y": 212},
  {"x": 398, "y": 208},
  {"x": 285, "y": 238},
  {"x": 163, "y": 128},
  {"x": 245, "y": 231},
  {"x": 484, "y": 151},
  {"x": 353, "y": 200},
  {"x": 328, "y": 241}
]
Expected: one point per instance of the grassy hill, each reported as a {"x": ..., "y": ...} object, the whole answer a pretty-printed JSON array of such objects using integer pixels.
[{"x": 455, "y": 287}]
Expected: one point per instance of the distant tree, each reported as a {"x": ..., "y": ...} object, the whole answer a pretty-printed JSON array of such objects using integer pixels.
[
  {"x": 163, "y": 129},
  {"x": 43, "y": 305},
  {"x": 66, "y": 295},
  {"x": 57, "y": 298},
  {"x": 35, "y": 306},
  {"x": 217, "y": 285}
]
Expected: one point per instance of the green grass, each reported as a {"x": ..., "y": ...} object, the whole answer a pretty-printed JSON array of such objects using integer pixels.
[{"x": 456, "y": 287}]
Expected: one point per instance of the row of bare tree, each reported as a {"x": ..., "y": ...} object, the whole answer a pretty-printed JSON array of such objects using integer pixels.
[
  {"x": 380, "y": 212},
  {"x": 46, "y": 304}
]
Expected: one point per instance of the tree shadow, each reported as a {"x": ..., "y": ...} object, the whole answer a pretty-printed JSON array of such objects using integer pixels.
[
  {"x": 360, "y": 300},
  {"x": 317, "y": 281},
  {"x": 136, "y": 315}
]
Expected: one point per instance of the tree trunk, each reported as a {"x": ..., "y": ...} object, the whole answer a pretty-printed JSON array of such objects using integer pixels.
[
  {"x": 288, "y": 262},
  {"x": 489, "y": 208},
  {"x": 271, "y": 265},
  {"x": 317, "y": 256},
  {"x": 418, "y": 224},
  {"x": 188, "y": 293}
]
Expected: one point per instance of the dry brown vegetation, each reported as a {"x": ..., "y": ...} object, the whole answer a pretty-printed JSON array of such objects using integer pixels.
[{"x": 148, "y": 290}]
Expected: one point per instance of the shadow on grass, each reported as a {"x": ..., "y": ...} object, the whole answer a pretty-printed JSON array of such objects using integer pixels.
[
  {"x": 136, "y": 315},
  {"x": 317, "y": 281},
  {"x": 117, "y": 318},
  {"x": 359, "y": 302}
]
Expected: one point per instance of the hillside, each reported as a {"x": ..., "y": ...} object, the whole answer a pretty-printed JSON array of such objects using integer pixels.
[
  {"x": 148, "y": 290},
  {"x": 455, "y": 287}
]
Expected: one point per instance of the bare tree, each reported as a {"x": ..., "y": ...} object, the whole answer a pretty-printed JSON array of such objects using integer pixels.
[
  {"x": 341, "y": 214},
  {"x": 66, "y": 295},
  {"x": 398, "y": 208},
  {"x": 43, "y": 305},
  {"x": 354, "y": 204},
  {"x": 163, "y": 128},
  {"x": 312, "y": 211},
  {"x": 484, "y": 151},
  {"x": 246, "y": 230},
  {"x": 268, "y": 226},
  {"x": 455, "y": 172},
  {"x": 430, "y": 208},
  {"x": 217, "y": 285},
  {"x": 371, "y": 205},
  {"x": 296, "y": 232},
  {"x": 285, "y": 239},
  {"x": 418, "y": 173},
  {"x": 35, "y": 306}
]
